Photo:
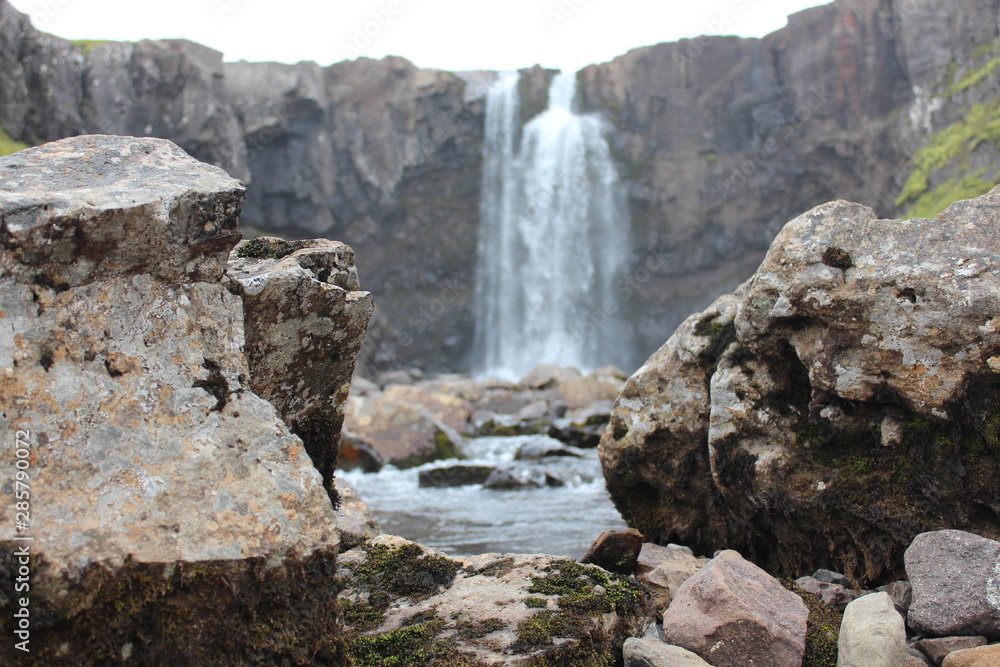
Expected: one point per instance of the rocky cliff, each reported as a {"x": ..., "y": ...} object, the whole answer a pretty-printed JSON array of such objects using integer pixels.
[{"x": 719, "y": 140}]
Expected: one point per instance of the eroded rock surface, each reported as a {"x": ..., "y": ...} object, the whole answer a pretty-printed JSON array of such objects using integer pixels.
[
  {"x": 838, "y": 404},
  {"x": 498, "y": 609},
  {"x": 305, "y": 319},
  {"x": 164, "y": 493}
]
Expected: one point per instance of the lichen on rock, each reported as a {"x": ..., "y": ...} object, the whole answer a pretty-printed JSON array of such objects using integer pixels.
[
  {"x": 851, "y": 406},
  {"x": 165, "y": 494}
]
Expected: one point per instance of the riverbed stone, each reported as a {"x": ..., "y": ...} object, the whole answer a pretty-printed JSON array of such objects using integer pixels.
[
  {"x": 404, "y": 434},
  {"x": 732, "y": 613},
  {"x": 616, "y": 551},
  {"x": 938, "y": 647},
  {"x": 543, "y": 447},
  {"x": 872, "y": 633},
  {"x": 664, "y": 569},
  {"x": 982, "y": 656},
  {"x": 956, "y": 584},
  {"x": 456, "y": 475},
  {"x": 499, "y": 609},
  {"x": 152, "y": 463},
  {"x": 834, "y": 595},
  {"x": 654, "y": 653},
  {"x": 354, "y": 453}
]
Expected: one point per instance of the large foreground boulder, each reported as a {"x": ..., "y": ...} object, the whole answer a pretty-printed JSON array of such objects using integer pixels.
[
  {"x": 841, "y": 402},
  {"x": 408, "y": 604},
  {"x": 162, "y": 510}
]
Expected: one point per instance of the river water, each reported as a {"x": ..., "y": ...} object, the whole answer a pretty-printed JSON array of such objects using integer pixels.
[{"x": 468, "y": 520}]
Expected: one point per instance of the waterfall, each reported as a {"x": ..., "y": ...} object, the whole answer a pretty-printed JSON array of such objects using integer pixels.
[{"x": 553, "y": 237}]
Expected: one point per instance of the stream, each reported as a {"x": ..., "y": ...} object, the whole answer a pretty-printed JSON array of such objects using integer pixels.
[{"x": 468, "y": 520}]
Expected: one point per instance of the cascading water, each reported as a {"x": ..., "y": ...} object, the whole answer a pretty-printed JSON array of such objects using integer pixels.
[{"x": 553, "y": 237}]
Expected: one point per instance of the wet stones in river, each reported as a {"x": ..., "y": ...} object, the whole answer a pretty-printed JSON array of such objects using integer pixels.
[
  {"x": 457, "y": 475},
  {"x": 544, "y": 447},
  {"x": 358, "y": 454},
  {"x": 520, "y": 477}
]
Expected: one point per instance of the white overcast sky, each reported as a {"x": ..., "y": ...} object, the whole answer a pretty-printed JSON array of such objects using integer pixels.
[{"x": 446, "y": 34}]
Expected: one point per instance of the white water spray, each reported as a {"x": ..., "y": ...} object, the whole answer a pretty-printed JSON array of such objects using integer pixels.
[{"x": 553, "y": 237}]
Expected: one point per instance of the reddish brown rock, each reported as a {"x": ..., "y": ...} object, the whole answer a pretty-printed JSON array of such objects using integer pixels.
[
  {"x": 734, "y": 614},
  {"x": 615, "y": 550}
]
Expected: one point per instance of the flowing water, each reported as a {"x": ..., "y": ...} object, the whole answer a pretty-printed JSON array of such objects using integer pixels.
[
  {"x": 553, "y": 237},
  {"x": 468, "y": 520}
]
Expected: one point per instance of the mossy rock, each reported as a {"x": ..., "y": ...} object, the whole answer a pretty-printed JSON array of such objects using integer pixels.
[{"x": 225, "y": 612}]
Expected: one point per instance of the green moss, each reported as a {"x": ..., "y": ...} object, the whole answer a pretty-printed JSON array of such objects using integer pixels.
[
  {"x": 934, "y": 201},
  {"x": 575, "y": 585},
  {"x": 974, "y": 77},
  {"x": 951, "y": 147},
  {"x": 387, "y": 573},
  {"x": 411, "y": 646},
  {"x": 721, "y": 335},
  {"x": 535, "y": 603},
  {"x": 540, "y": 629},
  {"x": 85, "y": 46},
  {"x": 265, "y": 248},
  {"x": 495, "y": 569},
  {"x": 244, "y": 612},
  {"x": 822, "y": 629},
  {"x": 479, "y": 629},
  {"x": 9, "y": 145},
  {"x": 405, "y": 571}
]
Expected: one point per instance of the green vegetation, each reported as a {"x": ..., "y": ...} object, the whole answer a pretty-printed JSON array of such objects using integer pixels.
[
  {"x": 951, "y": 147},
  {"x": 411, "y": 646},
  {"x": 85, "y": 46},
  {"x": 536, "y": 603},
  {"x": 267, "y": 248},
  {"x": 721, "y": 335},
  {"x": 932, "y": 203},
  {"x": 9, "y": 145},
  {"x": 577, "y": 588},
  {"x": 822, "y": 629}
]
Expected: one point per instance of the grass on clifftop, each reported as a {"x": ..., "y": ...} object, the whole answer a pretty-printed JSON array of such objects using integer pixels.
[
  {"x": 951, "y": 147},
  {"x": 9, "y": 145},
  {"x": 85, "y": 46}
]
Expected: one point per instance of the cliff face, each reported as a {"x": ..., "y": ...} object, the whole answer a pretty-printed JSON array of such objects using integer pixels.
[{"x": 720, "y": 140}]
